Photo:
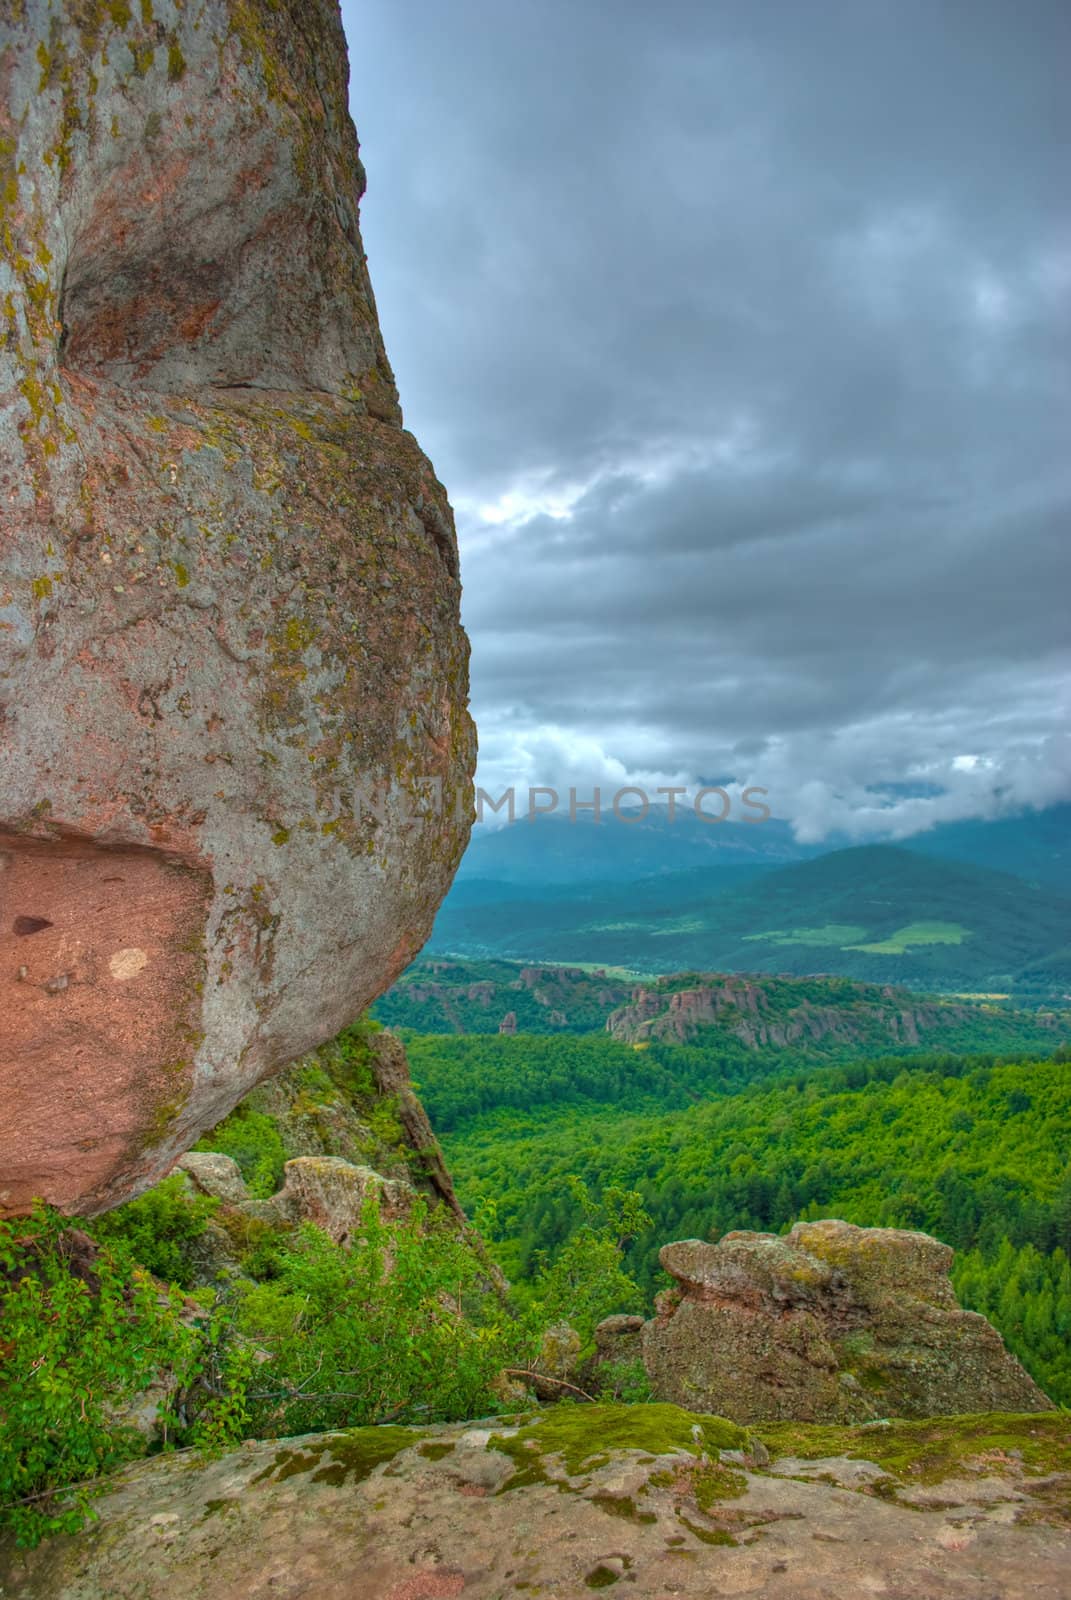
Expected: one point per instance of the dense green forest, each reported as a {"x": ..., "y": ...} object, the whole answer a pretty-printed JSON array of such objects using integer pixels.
[{"x": 972, "y": 1149}]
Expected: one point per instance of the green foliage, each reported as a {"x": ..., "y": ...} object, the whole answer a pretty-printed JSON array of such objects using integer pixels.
[
  {"x": 84, "y": 1332},
  {"x": 1028, "y": 1296},
  {"x": 624, "y": 1381},
  {"x": 972, "y": 1150},
  {"x": 585, "y": 1281},
  {"x": 252, "y": 1140},
  {"x": 396, "y": 1327},
  {"x": 159, "y": 1228}
]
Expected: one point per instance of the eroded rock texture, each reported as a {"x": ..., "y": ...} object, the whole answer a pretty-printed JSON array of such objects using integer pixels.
[
  {"x": 228, "y": 585},
  {"x": 578, "y": 1500},
  {"x": 831, "y": 1323}
]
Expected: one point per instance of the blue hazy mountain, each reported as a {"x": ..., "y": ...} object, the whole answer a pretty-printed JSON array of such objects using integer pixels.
[
  {"x": 878, "y": 913},
  {"x": 552, "y": 850}
]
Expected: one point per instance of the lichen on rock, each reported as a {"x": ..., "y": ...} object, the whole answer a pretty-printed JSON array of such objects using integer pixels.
[
  {"x": 583, "y": 1498},
  {"x": 231, "y": 663},
  {"x": 829, "y": 1323}
]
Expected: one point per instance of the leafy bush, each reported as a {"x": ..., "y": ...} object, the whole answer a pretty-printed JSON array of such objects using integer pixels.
[
  {"x": 586, "y": 1282},
  {"x": 84, "y": 1332},
  {"x": 624, "y": 1381},
  {"x": 397, "y": 1326},
  {"x": 159, "y": 1228},
  {"x": 252, "y": 1140}
]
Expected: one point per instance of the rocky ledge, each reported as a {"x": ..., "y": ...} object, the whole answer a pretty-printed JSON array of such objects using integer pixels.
[{"x": 663, "y": 1501}]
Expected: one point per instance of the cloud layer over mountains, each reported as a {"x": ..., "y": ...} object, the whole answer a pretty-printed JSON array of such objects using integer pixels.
[{"x": 739, "y": 334}]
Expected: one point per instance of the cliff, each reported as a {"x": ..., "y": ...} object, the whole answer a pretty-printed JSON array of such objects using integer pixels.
[
  {"x": 229, "y": 594},
  {"x": 781, "y": 1012}
]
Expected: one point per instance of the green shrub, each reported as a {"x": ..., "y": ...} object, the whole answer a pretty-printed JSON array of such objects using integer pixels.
[
  {"x": 83, "y": 1332},
  {"x": 159, "y": 1228},
  {"x": 623, "y": 1381},
  {"x": 252, "y": 1140},
  {"x": 397, "y": 1326},
  {"x": 586, "y": 1281}
]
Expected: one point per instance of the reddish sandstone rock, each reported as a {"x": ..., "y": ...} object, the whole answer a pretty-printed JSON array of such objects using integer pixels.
[{"x": 228, "y": 586}]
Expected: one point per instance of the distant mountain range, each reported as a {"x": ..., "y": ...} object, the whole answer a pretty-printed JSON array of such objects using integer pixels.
[
  {"x": 960, "y": 920},
  {"x": 553, "y": 851}
]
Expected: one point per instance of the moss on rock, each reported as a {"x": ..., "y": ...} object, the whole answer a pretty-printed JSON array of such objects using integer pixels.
[
  {"x": 932, "y": 1450},
  {"x": 583, "y": 1438}
]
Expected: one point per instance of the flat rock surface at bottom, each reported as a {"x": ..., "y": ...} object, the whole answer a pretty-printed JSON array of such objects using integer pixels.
[{"x": 393, "y": 1514}]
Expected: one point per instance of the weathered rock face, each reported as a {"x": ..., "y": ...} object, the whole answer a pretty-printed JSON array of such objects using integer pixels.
[
  {"x": 324, "y": 1190},
  {"x": 228, "y": 586},
  {"x": 831, "y": 1323},
  {"x": 582, "y": 1499}
]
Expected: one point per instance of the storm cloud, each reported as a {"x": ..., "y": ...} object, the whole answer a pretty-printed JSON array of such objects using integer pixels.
[{"x": 739, "y": 335}]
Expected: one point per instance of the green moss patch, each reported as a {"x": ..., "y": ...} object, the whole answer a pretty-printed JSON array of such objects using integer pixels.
[
  {"x": 352, "y": 1455},
  {"x": 706, "y": 1535},
  {"x": 583, "y": 1437},
  {"x": 436, "y": 1450},
  {"x": 930, "y": 1451},
  {"x": 712, "y": 1483},
  {"x": 623, "y": 1506}
]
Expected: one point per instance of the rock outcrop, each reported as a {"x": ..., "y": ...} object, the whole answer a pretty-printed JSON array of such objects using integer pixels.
[
  {"x": 754, "y": 1010},
  {"x": 231, "y": 664},
  {"x": 830, "y": 1323},
  {"x": 324, "y": 1190},
  {"x": 390, "y": 1068},
  {"x": 587, "y": 1497}
]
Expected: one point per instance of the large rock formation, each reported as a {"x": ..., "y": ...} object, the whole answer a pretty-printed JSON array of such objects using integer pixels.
[
  {"x": 831, "y": 1323},
  {"x": 231, "y": 662}
]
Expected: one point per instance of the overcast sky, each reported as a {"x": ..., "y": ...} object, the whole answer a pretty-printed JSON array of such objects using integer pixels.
[{"x": 738, "y": 333}]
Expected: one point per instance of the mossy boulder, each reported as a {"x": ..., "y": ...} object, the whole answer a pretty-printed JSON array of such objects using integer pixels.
[{"x": 830, "y": 1323}]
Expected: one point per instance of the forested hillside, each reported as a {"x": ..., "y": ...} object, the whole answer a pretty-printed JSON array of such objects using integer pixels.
[
  {"x": 971, "y": 1149},
  {"x": 814, "y": 1015}
]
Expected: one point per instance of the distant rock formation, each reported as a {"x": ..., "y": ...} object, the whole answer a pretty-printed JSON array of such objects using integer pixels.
[
  {"x": 831, "y": 1323},
  {"x": 231, "y": 663},
  {"x": 744, "y": 1008}
]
